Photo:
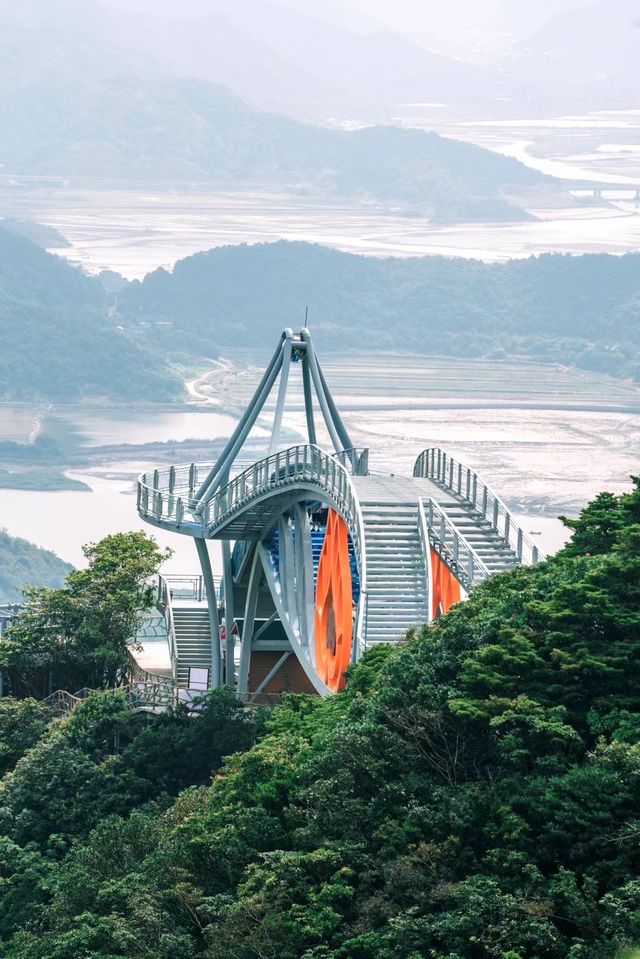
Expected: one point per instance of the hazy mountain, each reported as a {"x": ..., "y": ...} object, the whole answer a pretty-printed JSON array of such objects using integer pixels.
[
  {"x": 466, "y": 27},
  {"x": 55, "y": 339},
  {"x": 89, "y": 92},
  {"x": 24, "y": 564},
  {"x": 168, "y": 131},
  {"x": 40, "y": 234},
  {"x": 307, "y": 60},
  {"x": 594, "y": 52},
  {"x": 581, "y": 310}
]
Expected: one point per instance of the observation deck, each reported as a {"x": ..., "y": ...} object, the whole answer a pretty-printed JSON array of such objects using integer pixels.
[{"x": 323, "y": 557}]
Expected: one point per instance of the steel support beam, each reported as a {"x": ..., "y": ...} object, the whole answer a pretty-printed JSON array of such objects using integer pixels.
[
  {"x": 229, "y": 613},
  {"x": 250, "y": 608},
  {"x": 308, "y": 400},
  {"x": 304, "y": 590},
  {"x": 298, "y": 649},
  {"x": 317, "y": 382},
  {"x": 274, "y": 672},
  {"x": 337, "y": 419},
  {"x": 282, "y": 393},
  {"x": 242, "y": 430},
  {"x": 258, "y": 633},
  {"x": 212, "y": 608}
]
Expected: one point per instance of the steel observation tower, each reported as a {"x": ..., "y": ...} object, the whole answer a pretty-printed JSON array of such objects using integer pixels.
[{"x": 322, "y": 557}]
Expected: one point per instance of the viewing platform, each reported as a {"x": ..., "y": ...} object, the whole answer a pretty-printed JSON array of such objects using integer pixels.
[{"x": 323, "y": 557}]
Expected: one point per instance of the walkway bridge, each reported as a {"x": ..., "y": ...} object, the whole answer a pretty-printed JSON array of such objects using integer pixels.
[{"x": 322, "y": 557}]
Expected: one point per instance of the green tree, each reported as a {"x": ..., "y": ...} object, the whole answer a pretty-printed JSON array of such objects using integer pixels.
[
  {"x": 80, "y": 635},
  {"x": 597, "y": 529},
  {"x": 22, "y": 723}
]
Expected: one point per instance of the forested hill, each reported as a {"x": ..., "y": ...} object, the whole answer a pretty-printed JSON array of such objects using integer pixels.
[
  {"x": 56, "y": 340},
  {"x": 473, "y": 794},
  {"x": 23, "y": 564},
  {"x": 63, "y": 337},
  {"x": 579, "y": 310},
  {"x": 171, "y": 131}
]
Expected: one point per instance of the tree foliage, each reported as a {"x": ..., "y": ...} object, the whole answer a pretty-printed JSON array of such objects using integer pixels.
[
  {"x": 79, "y": 635},
  {"x": 472, "y": 794}
]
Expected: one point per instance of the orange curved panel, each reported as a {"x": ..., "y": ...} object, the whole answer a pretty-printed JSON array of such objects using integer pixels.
[
  {"x": 445, "y": 588},
  {"x": 334, "y": 605}
]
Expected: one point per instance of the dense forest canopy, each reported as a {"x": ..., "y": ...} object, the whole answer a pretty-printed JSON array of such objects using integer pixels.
[{"x": 472, "y": 794}]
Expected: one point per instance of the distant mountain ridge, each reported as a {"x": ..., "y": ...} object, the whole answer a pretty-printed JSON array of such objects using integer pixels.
[
  {"x": 87, "y": 93},
  {"x": 583, "y": 311},
  {"x": 592, "y": 52},
  {"x": 169, "y": 131}
]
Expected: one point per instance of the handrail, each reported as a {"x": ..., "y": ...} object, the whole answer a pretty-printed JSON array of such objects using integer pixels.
[
  {"x": 454, "y": 549},
  {"x": 166, "y": 608},
  {"x": 437, "y": 465},
  {"x": 187, "y": 586},
  {"x": 142, "y": 695}
]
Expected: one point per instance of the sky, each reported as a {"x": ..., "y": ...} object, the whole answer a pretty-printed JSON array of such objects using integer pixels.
[{"x": 454, "y": 25}]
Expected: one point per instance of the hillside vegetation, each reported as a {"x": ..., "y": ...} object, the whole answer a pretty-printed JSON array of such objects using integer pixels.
[
  {"x": 580, "y": 310},
  {"x": 55, "y": 338},
  {"x": 23, "y": 564},
  {"x": 473, "y": 794}
]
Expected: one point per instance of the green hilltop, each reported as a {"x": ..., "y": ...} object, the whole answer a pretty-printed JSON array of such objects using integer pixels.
[{"x": 64, "y": 336}]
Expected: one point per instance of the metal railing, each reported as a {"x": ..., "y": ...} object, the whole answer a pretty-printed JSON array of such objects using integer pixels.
[
  {"x": 168, "y": 494},
  {"x": 8, "y": 612},
  {"x": 454, "y": 549},
  {"x": 437, "y": 465},
  {"x": 189, "y": 587},
  {"x": 148, "y": 696},
  {"x": 140, "y": 695}
]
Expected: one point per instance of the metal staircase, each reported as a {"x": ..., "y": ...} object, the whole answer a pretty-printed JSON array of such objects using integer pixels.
[
  {"x": 490, "y": 546},
  {"x": 192, "y": 641},
  {"x": 396, "y": 573}
]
